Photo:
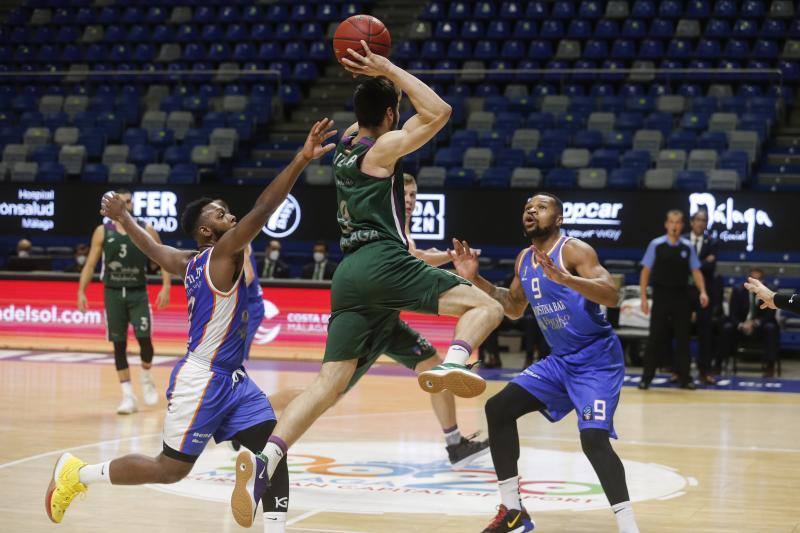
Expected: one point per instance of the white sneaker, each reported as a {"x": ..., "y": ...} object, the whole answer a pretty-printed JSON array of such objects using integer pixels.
[
  {"x": 149, "y": 391},
  {"x": 127, "y": 406}
]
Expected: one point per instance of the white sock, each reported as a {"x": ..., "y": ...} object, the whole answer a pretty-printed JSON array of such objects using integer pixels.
[
  {"x": 453, "y": 437},
  {"x": 274, "y": 522},
  {"x": 274, "y": 454},
  {"x": 509, "y": 493},
  {"x": 457, "y": 354},
  {"x": 98, "y": 473},
  {"x": 127, "y": 388},
  {"x": 626, "y": 522},
  {"x": 146, "y": 375}
]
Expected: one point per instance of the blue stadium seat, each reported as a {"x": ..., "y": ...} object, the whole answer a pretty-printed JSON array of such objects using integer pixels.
[
  {"x": 459, "y": 11},
  {"x": 45, "y": 153},
  {"x": 435, "y": 49},
  {"x": 432, "y": 11},
  {"x": 590, "y": 9},
  {"x": 643, "y": 9},
  {"x": 95, "y": 173},
  {"x": 496, "y": 177},
  {"x": 460, "y": 178},
  {"x": 564, "y": 10},
  {"x": 682, "y": 140},
  {"x": 735, "y": 160},
  {"x": 94, "y": 140},
  {"x": 141, "y": 155},
  {"x": 537, "y": 10},
  {"x": 605, "y": 158},
  {"x": 595, "y": 49},
  {"x": 510, "y": 157},
  {"x": 624, "y": 178},
  {"x": 623, "y": 49},
  {"x": 498, "y": 29},
  {"x": 544, "y": 158},
  {"x": 561, "y": 178},
  {"x": 634, "y": 29},
  {"x": 670, "y": 9},
  {"x": 50, "y": 172},
  {"x": 551, "y": 29},
  {"x": 713, "y": 140},
  {"x": 579, "y": 29},
  {"x": 606, "y": 29},
  {"x": 636, "y": 159},
  {"x": 493, "y": 140},
  {"x": 619, "y": 140},
  {"x": 540, "y": 50},
  {"x": 691, "y": 180},
  {"x": 698, "y": 9},
  {"x": 725, "y": 9},
  {"x": 446, "y": 30},
  {"x": 651, "y": 49},
  {"x": 525, "y": 29},
  {"x": 511, "y": 10},
  {"x": 183, "y": 174},
  {"x": 472, "y": 30},
  {"x": 589, "y": 139},
  {"x": 448, "y": 157}
]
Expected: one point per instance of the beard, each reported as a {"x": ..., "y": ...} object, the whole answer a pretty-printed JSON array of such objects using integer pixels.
[{"x": 539, "y": 231}]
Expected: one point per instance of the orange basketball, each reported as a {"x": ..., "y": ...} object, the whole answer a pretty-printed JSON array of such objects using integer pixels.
[{"x": 352, "y": 31}]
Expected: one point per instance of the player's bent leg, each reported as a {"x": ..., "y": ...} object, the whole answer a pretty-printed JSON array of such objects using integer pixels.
[
  {"x": 324, "y": 391},
  {"x": 71, "y": 476},
  {"x": 502, "y": 411},
  {"x": 479, "y": 316},
  {"x": 611, "y": 473}
]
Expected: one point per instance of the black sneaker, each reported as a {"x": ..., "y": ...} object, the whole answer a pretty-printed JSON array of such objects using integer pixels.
[
  {"x": 467, "y": 450},
  {"x": 688, "y": 385},
  {"x": 643, "y": 384},
  {"x": 510, "y": 521}
]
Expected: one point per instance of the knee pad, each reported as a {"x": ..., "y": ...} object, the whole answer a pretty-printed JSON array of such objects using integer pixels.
[
  {"x": 146, "y": 349},
  {"x": 595, "y": 441},
  {"x": 120, "y": 357}
]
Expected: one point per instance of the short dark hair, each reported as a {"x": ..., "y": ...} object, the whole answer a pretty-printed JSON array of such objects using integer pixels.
[
  {"x": 191, "y": 213},
  {"x": 674, "y": 212},
  {"x": 757, "y": 269},
  {"x": 122, "y": 190},
  {"x": 702, "y": 211},
  {"x": 556, "y": 200},
  {"x": 321, "y": 243},
  {"x": 371, "y": 98}
]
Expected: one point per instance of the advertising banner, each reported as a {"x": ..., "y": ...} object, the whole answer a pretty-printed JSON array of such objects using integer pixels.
[
  {"x": 745, "y": 222},
  {"x": 43, "y": 315}
]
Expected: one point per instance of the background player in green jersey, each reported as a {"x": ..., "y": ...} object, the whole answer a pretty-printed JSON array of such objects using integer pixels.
[
  {"x": 124, "y": 277},
  {"x": 378, "y": 276}
]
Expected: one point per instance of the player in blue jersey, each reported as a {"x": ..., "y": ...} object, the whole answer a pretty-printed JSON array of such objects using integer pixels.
[
  {"x": 565, "y": 285},
  {"x": 210, "y": 394}
]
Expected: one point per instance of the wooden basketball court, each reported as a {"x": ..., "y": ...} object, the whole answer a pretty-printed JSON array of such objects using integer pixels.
[{"x": 706, "y": 461}]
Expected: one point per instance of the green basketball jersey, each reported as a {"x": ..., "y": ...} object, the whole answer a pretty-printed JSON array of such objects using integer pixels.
[
  {"x": 370, "y": 209},
  {"x": 124, "y": 265}
]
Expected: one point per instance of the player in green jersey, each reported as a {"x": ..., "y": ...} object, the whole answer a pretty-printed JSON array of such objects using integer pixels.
[
  {"x": 378, "y": 276},
  {"x": 124, "y": 276}
]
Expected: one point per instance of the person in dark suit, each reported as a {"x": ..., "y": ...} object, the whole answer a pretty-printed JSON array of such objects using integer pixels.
[
  {"x": 706, "y": 248},
  {"x": 274, "y": 267},
  {"x": 321, "y": 268},
  {"x": 747, "y": 319}
]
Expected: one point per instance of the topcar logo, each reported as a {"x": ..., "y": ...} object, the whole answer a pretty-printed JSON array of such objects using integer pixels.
[
  {"x": 285, "y": 220},
  {"x": 427, "y": 219},
  {"x": 416, "y": 477},
  {"x": 594, "y": 220}
]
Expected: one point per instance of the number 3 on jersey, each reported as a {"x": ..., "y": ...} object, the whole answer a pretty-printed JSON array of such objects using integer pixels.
[{"x": 537, "y": 291}]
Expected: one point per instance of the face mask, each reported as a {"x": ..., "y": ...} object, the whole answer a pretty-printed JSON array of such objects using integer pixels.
[
  {"x": 274, "y": 255},
  {"x": 81, "y": 260},
  {"x": 319, "y": 257},
  {"x": 23, "y": 253}
]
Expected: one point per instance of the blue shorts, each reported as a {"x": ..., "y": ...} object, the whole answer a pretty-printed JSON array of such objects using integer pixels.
[
  {"x": 588, "y": 382},
  {"x": 203, "y": 403},
  {"x": 255, "y": 314}
]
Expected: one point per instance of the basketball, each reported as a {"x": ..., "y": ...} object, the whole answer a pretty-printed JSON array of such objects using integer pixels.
[{"x": 353, "y": 30}]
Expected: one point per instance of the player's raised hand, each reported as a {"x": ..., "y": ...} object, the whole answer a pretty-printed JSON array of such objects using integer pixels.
[
  {"x": 314, "y": 147},
  {"x": 464, "y": 259},
  {"x": 112, "y": 206},
  {"x": 369, "y": 64},
  {"x": 551, "y": 270}
]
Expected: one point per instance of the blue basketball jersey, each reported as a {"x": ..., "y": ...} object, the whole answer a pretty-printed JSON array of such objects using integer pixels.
[
  {"x": 217, "y": 320},
  {"x": 568, "y": 321},
  {"x": 254, "y": 292}
]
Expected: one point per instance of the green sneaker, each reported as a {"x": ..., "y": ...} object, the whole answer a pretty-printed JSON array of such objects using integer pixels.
[{"x": 453, "y": 377}]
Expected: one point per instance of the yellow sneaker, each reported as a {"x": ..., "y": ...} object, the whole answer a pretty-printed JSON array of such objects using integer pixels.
[{"x": 65, "y": 485}]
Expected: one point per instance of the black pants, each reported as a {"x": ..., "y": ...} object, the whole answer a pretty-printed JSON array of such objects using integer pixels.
[
  {"x": 670, "y": 318},
  {"x": 705, "y": 333},
  {"x": 767, "y": 332}
]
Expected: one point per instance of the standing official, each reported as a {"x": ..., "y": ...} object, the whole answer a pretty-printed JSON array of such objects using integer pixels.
[
  {"x": 706, "y": 248},
  {"x": 668, "y": 263}
]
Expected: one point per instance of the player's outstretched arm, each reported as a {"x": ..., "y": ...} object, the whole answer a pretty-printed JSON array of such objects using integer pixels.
[
  {"x": 465, "y": 260},
  {"x": 248, "y": 228},
  {"x": 432, "y": 112},
  {"x": 168, "y": 258},
  {"x": 95, "y": 251},
  {"x": 162, "y": 300},
  {"x": 593, "y": 281}
]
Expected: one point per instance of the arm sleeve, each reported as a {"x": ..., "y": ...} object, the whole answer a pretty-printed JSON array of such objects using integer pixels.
[
  {"x": 650, "y": 255},
  {"x": 694, "y": 262},
  {"x": 788, "y": 303}
]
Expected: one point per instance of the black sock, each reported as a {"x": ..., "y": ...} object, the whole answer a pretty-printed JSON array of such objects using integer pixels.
[
  {"x": 606, "y": 463},
  {"x": 146, "y": 351},
  {"x": 502, "y": 411}
]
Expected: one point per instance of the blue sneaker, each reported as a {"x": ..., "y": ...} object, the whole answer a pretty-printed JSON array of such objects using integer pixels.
[
  {"x": 251, "y": 483},
  {"x": 510, "y": 521}
]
